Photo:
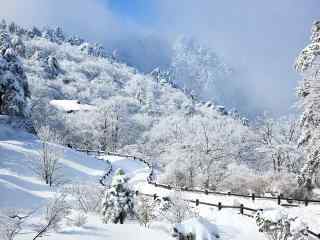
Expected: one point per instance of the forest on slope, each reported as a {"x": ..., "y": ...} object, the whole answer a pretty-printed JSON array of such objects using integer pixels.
[{"x": 193, "y": 143}]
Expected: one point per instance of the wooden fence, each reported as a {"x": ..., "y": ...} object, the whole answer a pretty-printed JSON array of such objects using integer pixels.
[
  {"x": 197, "y": 202},
  {"x": 280, "y": 198}
]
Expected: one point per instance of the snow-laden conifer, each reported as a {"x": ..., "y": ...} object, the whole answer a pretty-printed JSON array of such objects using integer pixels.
[{"x": 118, "y": 199}]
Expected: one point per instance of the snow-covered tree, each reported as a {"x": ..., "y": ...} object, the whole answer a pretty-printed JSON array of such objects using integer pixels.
[
  {"x": 10, "y": 226},
  {"x": 14, "y": 90},
  {"x": 55, "y": 213},
  {"x": 118, "y": 200},
  {"x": 145, "y": 210},
  {"x": 277, "y": 140},
  {"x": 175, "y": 209},
  {"x": 309, "y": 92},
  {"x": 47, "y": 165},
  {"x": 95, "y": 50},
  {"x": 277, "y": 225},
  {"x": 198, "y": 69}
]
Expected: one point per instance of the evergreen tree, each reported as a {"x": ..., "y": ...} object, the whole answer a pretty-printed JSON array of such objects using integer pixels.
[
  {"x": 118, "y": 199},
  {"x": 309, "y": 93},
  {"x": 14, "y": 90}
]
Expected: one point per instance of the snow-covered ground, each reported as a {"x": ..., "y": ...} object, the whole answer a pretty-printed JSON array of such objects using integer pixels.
[
  {"x": 20, "y": 188},
  {"x": 139, "y": 172},
  {"x": 18, "y": 181},
  {"x": 96, "y": 230},
  {"x": 70, "y": 105}
]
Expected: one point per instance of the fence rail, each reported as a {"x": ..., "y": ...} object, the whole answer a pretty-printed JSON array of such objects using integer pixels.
[
  {"x": 197, "y": 202},
  {"x": 220, "y": 206},
  {"x": 253, "y": 196}
]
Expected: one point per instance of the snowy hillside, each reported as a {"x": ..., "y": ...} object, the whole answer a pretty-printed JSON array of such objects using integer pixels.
[
  {"x": 18, "y": 182},
  {"x": 167, "y": 165},
  {"x": 21, "y": 189}
]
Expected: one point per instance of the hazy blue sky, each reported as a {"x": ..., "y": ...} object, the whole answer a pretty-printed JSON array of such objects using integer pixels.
[{"x": 259, "y": 38}]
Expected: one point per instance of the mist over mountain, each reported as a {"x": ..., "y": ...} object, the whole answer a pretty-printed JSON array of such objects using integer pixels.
[{"x": 143, "y": 33}]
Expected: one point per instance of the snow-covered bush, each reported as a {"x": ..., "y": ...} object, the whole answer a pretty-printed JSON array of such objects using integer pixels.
[
  {"x": 87, "y": 197},
  {"x": 118, "y": 201},
  {"x": 55, "y": 213},
  {"x": 78, "y": 219},
  {"x": 277, "y": 225},
  {"x": 175, "y": 209},
  {"x": 287, "y": 185},
  {"x": 195, "y": 229},
  {"x": 47, "y": 165},
  {"x": 144, "y": 209},
  {"x": 9, "y": 226}
]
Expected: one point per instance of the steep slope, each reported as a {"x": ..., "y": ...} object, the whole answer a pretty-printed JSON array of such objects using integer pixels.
[
  {"x": 18, "y": 151},
  {"x": 128, "y": 104}
]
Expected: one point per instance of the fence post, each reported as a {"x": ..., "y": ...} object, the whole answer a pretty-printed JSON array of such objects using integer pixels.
[
  {"x": 197, "y": 202},
  {"x": 279, "y": 199},
  {"x": 219, "y": 206},
  {"x": 241, "y": 209},
  {"x": 154, "y": 196},
  {"x": 253, "y": 197},
  {"x": 306, "y": 201}
]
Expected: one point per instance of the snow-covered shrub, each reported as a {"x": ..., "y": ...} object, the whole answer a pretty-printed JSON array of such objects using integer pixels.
[
  {"x": 55, "y": 213},
  {"x": 78, "y": 219},
  {"x": 175, "y": 209},
  {"x": 277, "y": 225},
  {"x": 197, "y": 228},
  {"x": 287, "y": 185},
  {"x": 47, "y": 165},
  {"x": 118, "y": 199},
  {"x": 87, "y": 197},
  {"x": 9, "y": 226},
  {"x": 144, "y": 209}
]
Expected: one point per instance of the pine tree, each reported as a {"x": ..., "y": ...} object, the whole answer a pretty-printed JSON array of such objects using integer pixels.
[
  {"x": 118, "y": 200},
  {"x": 309, "y": 93},
  {"x": 14, "y": 90}
]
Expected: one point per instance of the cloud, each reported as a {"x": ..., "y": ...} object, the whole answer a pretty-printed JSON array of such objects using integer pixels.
[
  {"x": 259, "y": 38},
  {"x": 89, "y": 18}
]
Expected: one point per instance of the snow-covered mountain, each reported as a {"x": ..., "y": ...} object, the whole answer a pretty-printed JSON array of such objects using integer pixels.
[
  {"x": 76, "y": 96},
  {"x": 128, "y": 104}
]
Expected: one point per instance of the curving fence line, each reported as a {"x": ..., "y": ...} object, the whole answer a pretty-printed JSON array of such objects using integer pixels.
[
  {"x": 197, "y": 202},
  {"x": 253, "y": 196}
]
